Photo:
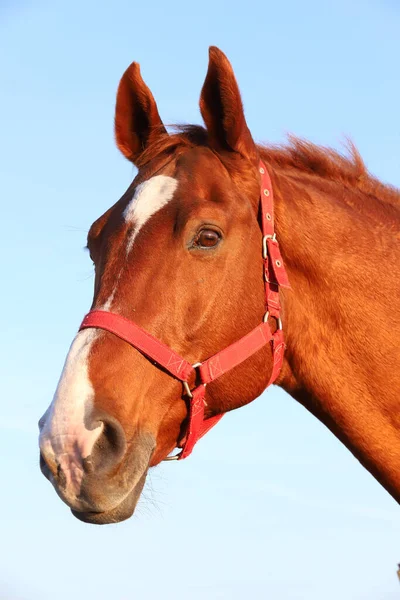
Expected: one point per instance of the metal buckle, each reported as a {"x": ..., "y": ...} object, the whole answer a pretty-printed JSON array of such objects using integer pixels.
[{"x": 264, "y": 244}]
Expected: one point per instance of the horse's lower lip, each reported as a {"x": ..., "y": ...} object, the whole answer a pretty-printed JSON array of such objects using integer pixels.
[
  {"x": 95, "y": 518},
  {"x": 102, "y": 518}
]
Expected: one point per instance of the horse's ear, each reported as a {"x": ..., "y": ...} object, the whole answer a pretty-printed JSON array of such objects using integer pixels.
[
  {"x": 137, "y": 122},
  {"x": 222, "y": 109}
]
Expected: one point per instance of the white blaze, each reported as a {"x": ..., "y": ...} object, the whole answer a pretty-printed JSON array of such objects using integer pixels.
[
  {"x": 149, "y": 197},
  {"x": 64, "y": 437}
]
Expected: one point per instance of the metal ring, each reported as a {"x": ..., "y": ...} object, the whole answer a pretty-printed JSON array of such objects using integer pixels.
[
  {"x": 196, "y": 366},
  {"x": 277, "y": 319},
  {"x": 173, "y": 457},
  {"x": 188, "y": 392},
  {"x": 187, "y": 389}
]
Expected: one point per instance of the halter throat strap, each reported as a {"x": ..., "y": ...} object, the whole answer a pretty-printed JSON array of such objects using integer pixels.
[{"x": 228, "y": 358}]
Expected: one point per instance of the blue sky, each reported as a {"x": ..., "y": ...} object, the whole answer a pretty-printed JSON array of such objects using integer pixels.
[{"x": 270, "y": 505}]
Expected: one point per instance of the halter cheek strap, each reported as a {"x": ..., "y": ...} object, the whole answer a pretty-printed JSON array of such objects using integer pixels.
[{"x": 228, "y": 358}]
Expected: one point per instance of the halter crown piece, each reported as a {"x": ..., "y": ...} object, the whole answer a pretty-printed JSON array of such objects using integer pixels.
[{"x": 274, "y": 277}]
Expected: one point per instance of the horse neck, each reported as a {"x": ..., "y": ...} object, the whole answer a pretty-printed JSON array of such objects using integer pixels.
[{"x": 341, "y": 324}]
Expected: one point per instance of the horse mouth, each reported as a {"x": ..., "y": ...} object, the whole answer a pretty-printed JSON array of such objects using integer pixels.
[
  {"x": 119, "y": 513},
  {"x": 96, "y": 518}
]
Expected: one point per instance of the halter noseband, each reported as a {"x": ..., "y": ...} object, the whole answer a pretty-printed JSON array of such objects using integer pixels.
[{"x": 225, "y": 360}]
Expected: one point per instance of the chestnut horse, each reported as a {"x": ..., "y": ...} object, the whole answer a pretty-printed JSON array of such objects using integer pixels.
[{"x": 179, "y": 254}]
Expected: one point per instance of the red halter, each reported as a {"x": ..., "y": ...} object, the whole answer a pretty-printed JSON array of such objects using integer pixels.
[{"x": 212, "y": 368}]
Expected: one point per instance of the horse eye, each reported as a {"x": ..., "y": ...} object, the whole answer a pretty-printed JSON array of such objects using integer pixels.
[{"x": 207, "y": 238}]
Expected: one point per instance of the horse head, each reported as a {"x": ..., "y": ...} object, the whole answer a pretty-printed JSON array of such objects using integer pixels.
[{"x": 178, "y": 254}]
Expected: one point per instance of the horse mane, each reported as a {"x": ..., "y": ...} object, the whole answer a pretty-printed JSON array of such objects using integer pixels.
[
  {"x": 327, "y": 163},
  {"x": 300, "y": 156}
]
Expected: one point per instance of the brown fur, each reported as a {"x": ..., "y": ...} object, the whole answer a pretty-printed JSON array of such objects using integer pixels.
[{"x": 338, "y": 228}]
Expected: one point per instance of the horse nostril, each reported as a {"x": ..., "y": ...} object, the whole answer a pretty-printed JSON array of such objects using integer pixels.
[
  {"x": 112, "y": 434},
  {"x": 109, "y": 449}
]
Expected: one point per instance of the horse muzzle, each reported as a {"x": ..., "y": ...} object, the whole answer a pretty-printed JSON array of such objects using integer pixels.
[{"x": 104, "y": 487}]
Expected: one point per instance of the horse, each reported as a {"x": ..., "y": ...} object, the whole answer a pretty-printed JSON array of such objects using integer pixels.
[{"x": 180, "y": 275}]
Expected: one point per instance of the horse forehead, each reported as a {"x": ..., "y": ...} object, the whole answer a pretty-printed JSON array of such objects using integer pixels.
[
  {"x": 195, "y": 172},
  {"x": 202, "y": 177},
  {"x": 201, "y": 168}
]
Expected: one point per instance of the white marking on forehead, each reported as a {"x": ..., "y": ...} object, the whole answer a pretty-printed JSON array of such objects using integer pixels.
[
  {"x": 64, "y": 437},
  {"x": 149, "y": 197}
]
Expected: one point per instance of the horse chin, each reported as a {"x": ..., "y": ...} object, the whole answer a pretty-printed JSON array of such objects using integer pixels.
[{"x": 119, "y": 513}]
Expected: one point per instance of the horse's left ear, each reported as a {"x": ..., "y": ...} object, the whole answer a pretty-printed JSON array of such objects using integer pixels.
[
  {"x": 137, "y": 122},
  {"x": 222, "y": 109}
]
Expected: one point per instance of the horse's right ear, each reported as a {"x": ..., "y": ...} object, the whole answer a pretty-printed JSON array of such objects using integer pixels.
[{"x": 137, "y": 122}]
